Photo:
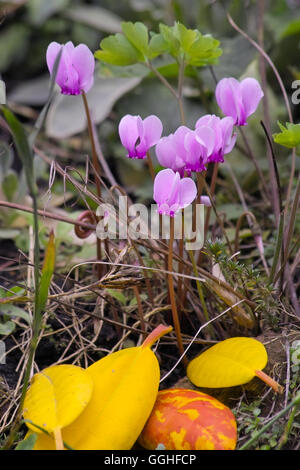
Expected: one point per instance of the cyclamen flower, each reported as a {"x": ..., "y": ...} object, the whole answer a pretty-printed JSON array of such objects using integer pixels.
[
  {"x": 199, "y": 146},
  {"x": 224, "y": 137},
  {"x": 171, "y": 152},
  {"x": 172, "y": 193},
  {"x": 186, "y": 150},
  {"x": 238, "y": 99},
  {"x": 76, "y": 67},
  {"x": 138, "y": 135}
]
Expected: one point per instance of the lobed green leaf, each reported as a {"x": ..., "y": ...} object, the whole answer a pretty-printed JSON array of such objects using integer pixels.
[
  {"x": 118, "y": 50},
  {"x": 137, "y": 35},
  {"x": 289, "y": 136}
]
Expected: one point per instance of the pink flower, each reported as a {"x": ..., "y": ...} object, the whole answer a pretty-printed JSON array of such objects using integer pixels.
[
  {"x": 186, "y": 150},
  {"x": 224, "y": 137},
  {"x": 138, "y": 135},
  {"x": 76, "y": 67},
  {"x": 238, "y": 99},
  {"x": 172, "y": 193},
  {"x": 199, "y": 145},
  {"x": 171, "y": 152}
]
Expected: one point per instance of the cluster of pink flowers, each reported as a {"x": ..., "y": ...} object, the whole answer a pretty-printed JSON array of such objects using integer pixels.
[
  {"x": 182, "y": 153},
  {"x": 190, "y": 150}
]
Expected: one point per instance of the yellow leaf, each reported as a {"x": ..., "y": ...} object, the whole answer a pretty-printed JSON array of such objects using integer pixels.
[
  {"x": 55, "y": 398},
  {"x": 234, "y": 361},
  {"x": 125, "y": 388}
]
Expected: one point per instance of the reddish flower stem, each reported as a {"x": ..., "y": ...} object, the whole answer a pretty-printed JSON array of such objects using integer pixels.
[
  {"x": 97, "y": 170},
  {"x": 175, "y": 317}
]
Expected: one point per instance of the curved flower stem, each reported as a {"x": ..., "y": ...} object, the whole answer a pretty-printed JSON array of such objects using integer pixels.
[
  {"x": 176, "y": 322},
  {"x": 162, "y": 79},
  {"x": 150, "y": 166},
  {"x": 176, "y": 94},
  {"x": 180, "y": 89},
  {"x": 95, "y": 159},
  {"x": 97, "y": 169}
]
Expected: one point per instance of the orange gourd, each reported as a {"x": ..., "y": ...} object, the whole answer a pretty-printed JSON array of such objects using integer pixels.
[{"x": 185, "y": 419}]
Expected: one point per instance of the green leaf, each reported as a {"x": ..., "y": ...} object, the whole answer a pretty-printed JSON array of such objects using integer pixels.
[
  {"x": 204, "y": 51},
  {"x": 7, "y": 328},
  {"x": 116, "y": 294},
  {"x": 291, "y": 29},
  {"x": 137, "y": 34},
  {"x": 14, "y": 311},
  {"x": 157, "y": 45},
  {"x": 186, "y": 37},
  {"x": 22, "y": 146},
  {"x": 10, "y": 185},
  {"x": 47, "y": 272},
  {"x": 196, "y": 49},
  {"x": 289, "y": 136},
  {"x": 117, "y": 50},
  {"x": 28, "y": 443},
  {"x": 171, "y": 41}
]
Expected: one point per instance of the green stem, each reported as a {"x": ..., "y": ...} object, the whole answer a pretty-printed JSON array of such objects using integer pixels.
[
  {"x": 36, "y": 325},
  {"x": 253, "y": 439},
  {"x": 180, "y": 90},
  {"x": 162, "y": 79},
  {"x": 200, "y": 290},
  {"x": 288, "y": 427}
]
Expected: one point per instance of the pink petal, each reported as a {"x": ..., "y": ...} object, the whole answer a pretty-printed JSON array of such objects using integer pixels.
[
  {"x": 163, "y": 182},
  {"x": 165, "y": 152},
  {"x": 193, "y": 152},
  {"x": 187, "y": 192},
  {"x": 51, "y": 54},
  {"x": 251, "y": 95},
  {"x": 229, "y": 139},
  {"x": 128, "y": 132},
  {"x": 179, "y": 137},
  {"x": 227, "y": 93},
  {"x": 66, "y": 77},
  {"x": 152, "y": 130},
  {"x": 206, "y": 137},
  {"x": 84, "y": 63}
]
